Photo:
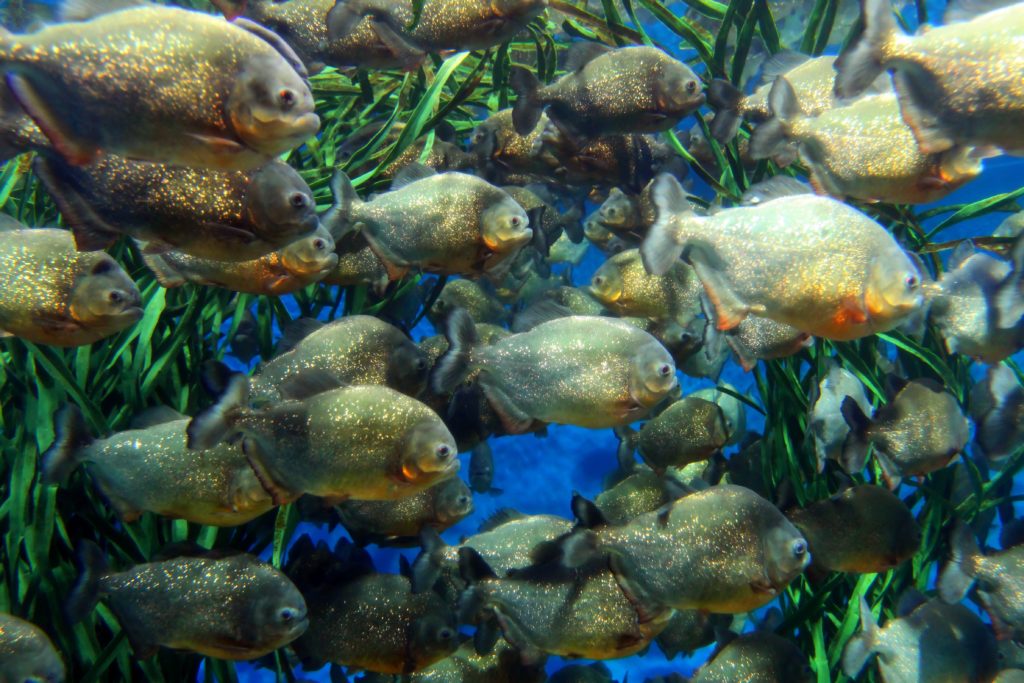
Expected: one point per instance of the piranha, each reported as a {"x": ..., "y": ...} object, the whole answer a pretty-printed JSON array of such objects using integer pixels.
[
  {"x": 470, "y": 297},
  {"x": 826, "y": 422},
  {"x": 26, "y": 653},
  {"x": 481, "y": 469},
  {"x": 213, "y": 214},
  {"x": 358, "y": 442},
  {"x": 756, "y": 656},
  {"x": 299, "y": 264},
  {"x": 588, "y": 371},
  {"x": 396, "y": 521},
  {"x": 229, "y": 607},
  {"x": 95, "y": 87},
  {"x": 642, "y": 491},
  {"x": 885, "y": 166},
  {"x": 624, "y": 286},
  {"x": 150, "y": 468},
  {"x": 504, "y": 155},
  {"x": 50, "y": 293},
  {"x": 997, "y": 409},
  {"x": 357, "y": 265},
  {"x": 811, "y": 262},
  {"x": 503, "y": 664},
  {"x": 945, "y": 77},
  {"x": 689, "y": 430},
  {"x": 689, "y": 630},
  {"x": 636, "y": 89}
]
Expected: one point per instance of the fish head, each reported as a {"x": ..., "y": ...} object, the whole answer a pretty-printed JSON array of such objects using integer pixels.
[
  {"x": 606, "y": 285},
  {"x": 653, "y": 374},
  {"x": 278, "y": 613},
  {"x": 271, "y": 106},
  {"x": 433, "y": 637},
  {"x": 786, "y": 552},
  {"x": 430, "y": 452},
  {"x": 104, "y": 294},
  {"x": 894, "y": 288},
  {"x": 310, "y": 255},
  {"x": 280, "y": 204},
  {"x": 408, "y": 367},
  {"x": 454, "y": 502},
  {"x": 679, "y": 91},
  {"x": 616, "y": 209},
  {"x": 505, "y": 227},
  {"x": 594, "y": 231}
]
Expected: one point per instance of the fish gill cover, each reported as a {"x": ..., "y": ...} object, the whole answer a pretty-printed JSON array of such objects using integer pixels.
[{"x": 248, "y": 330}]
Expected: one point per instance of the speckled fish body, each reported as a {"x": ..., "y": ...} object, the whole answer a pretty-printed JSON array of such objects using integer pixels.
[
  {"x": 866, "y": 151},
  {"x": 95, "y": 86},
  {"x": 502, "y": 665},
  {"x": 811, "y": 262},
  {"x": 219, "y": 215},
  {"x": 814, "y": 83},
  {"x": 724, "y": 549},
  {"x": 689, "y": 430},
  {"x": 439, "y": 507},
  {"x": 509, "y": 154},
  {"x": 759, "y": 657},
  {"x": 358, "y": 349},
  {"x": 471, "y": 297},
  {"x": 50, "y": 293},
  {"x": 576, "y": 299},
  {"x": 826, "y": 421},
  {"x": 641, "y": 492},
  {"x": 864, "y": 529},
  {"x": 622, "y": 212},
  {"x": 689, "y": 630},
  {"x": 357, "y": 265},
  {"x": 449, "y": 223},
  {"x": 26, "y": 653},
  {"x": 303, "y": 262},
  {"x": 235, "y": 607},
  {"x": 624, "y": 287},
  {"x": 759, "y": 338},
  {"x": 616, "y": 160}
]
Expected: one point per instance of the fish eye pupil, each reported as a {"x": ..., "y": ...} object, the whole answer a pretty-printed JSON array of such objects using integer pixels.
[
  {"x": 298, "y": 200},
  {"x": 115, "y": 297},
  {"x": 799, "y": 548},
  {"x": 319, "y": 244},
  {"x": 287, "y": 97},
  {"x": 287, "y": 615},
  {"x": 664, "y": 370},
  {"x": 911, "y": 281},
  {"x": 691, "y": 86},
  {"x": 443, "y": 452},
  {"x": 446, "y": 634}
]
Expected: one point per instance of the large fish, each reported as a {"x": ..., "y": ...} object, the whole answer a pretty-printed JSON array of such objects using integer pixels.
[{"x": 26, "y": 653}]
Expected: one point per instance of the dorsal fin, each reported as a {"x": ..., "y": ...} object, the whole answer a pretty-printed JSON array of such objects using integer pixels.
[
  {"x": 410, "y": 174},
  {"x": 84, "y": 10},
  {"x": 156, "y": 415},
  {"x": 9, "y": 223},
  {"x": 294, "y": 332},
  {"x": 780, "y": 64},
  {"x": 582, "y": 53},
  {"x": 500, "y": 517},
  {"x": 308, "y": 383}
]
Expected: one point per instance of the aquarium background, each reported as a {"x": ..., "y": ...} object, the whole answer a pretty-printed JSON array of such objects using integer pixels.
[{"x": 157, "y": 362}]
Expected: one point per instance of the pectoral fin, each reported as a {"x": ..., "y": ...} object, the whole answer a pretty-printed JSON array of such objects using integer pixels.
[
  {"x": 57, "y": 324},
  {"x": 931, "y": 136},
  {"x": 513, "y": 418},
  {"x": 730, "y": 310},
  {"x": 220, "y": 146},
  {"x": 76, "y": 152},
  {"x": 92, "y": 233}
]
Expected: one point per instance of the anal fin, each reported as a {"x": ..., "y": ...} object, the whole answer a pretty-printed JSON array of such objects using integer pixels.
[
  {"x": 730, "y": 310},
  {"x": 76, "y": 152}
]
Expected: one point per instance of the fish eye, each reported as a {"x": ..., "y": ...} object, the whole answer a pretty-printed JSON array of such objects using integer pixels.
[
  {"x": 691, "y": 87},
  {"x": 319, "y": 244},
  {"x": 912, "y": 282},
  {"x": 287, "y": 98},
  {"x": 286, "y": 615},
  {"x": 297, "y": 200},
  {"x": 463, "y": 501},
  {"x": 421, "y": 364},
  {"x": 664, "y": 369},
  {"x": 516, "y": 221},
  {"x": 599, "y": 280},
  {"x": 446, "y": 634},
  {"x": 799, "y": 548},
  {"x": 115, "y": 297},
  {"x": 443, "y": 452}
]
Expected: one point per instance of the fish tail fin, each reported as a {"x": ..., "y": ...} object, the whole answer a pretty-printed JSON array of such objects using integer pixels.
[
  {"x": 339, "y": 218},
  {"x": 217, "y": 423},
  {"x": 231, "y": 9},
  {"x": 86, "y": 592},
  {"x": 855, "y": 449},
  {"x": 774, "y": 133},
  {"x": 863, "y": 60},
  {"x": 954, "y": 579},
  {"x": 426, "y": 568},
  {"x": 860, "y": 647},
  {"x": 724, "y": 99},
  {"x": 664, "y": 242},
  {"x": 343, "y": 18},
  {"x": 453, "y": 366},
  {"x": 526, "y": 111},
  {"x": 1009, "y": 301},
  {"x": 71, "y": 436}
]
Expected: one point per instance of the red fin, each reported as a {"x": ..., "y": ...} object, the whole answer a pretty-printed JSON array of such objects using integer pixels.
[{"x": 850, "y": 313}]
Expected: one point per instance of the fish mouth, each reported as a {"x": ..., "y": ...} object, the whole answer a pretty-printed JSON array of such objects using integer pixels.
[{"x": 134, "y": 313}]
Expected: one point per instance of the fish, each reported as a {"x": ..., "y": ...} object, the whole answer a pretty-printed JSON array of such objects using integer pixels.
[
  {"x": 756, "y": 656},
  {"x": 919, "y": 431},
  {"x": 212, "y": 214},
  {"x": 997, "y": 410},
  {"x": 642, "y": 491},
  {"x": 945, "y": 77},
  {"x": 624, "y": 286},
  {"x": 397, "y": 521},
  {"x": 564, "y": 250},
  {"x": 51, "y": 293},
  {"x": 439, "y": 24},
  {"x": 882, "y": 166},
  {"x": 635, "y": 89},
  {"x": 357, "y": 265},
  {"x": 582, "y": 673},
  {"x": 353, "y": 442},
  {"x": 997, "y": 575},
  {"x": 689, "y": 630},
  {"x": 827, "y": 425},
  {"x": 355, "y": 349},
  {"x": 361, "y": 618},
  {"x": 552, "y": 223},
  {"x": 931, "y": 641},
  {"x": 481, "y": 469},
  {"x": 150, "y": 468},
  {"x": 301, "y": 263},
  {"x": 588, "y": 371},
  {"x": 864, "y": 529},
  {"x": 94, "y": 87},
  {"x": 230, "y": 607},
  {"x": 851, "y": 277},
  {"x": 690, "y": 430},
  {"x": 28, "y": 653},
  {"x": 449, "y": 223},
  {"x": 472, "y": 298},
  {"x": 733, "y": 409},
  {"x": 504, "y": 156},
  {"x": 623, "y": 212},
  {"x": 502, "y": 665},
  {"x": 757, "y": 338},
  {"x": 979, "y": 305},
  {"x": 444, "y": 154}
]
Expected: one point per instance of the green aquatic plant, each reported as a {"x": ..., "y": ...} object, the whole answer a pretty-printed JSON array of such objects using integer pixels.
[{"x": 158, "y": 361}]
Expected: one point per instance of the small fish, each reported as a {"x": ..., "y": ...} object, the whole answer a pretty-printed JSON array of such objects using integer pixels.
[
  {"x": 234, "y": 607},
  {"x": 481, "y": 469},
  {"x": 552, "y": 223},
  {"x": 605, "y": 373},
  {"x": 757, "y": 656},
  {"x": 827, "y": 424},
  {"x": 576, "y": 299},
  {"x": 999, "y": 577},
  {"x": 944, "y": 77},
  {"x": 689, "y": 430},
  {"x": 757, "y": 338},
  {"x": 95, "y": 86},
  {"x": 51, "y": 293},
  {"x": 361, "y": 442},
  {"x": 636, "y": 89},
  {"x": 355, "y": 349},
  {"x": 218, "y": 215},
  {"x": 472, "y": 298},
  {"x": 443, "y": 155},
  {"x": 623, "y": 212},
  {"x": 299, "y": 264},
  {"x": 26, "y": 653},
  {"x": 641, "y": 492},
  {"x": 502, "y": 665},
  {"x": 361, "y": 618},
  {"x": 689, "y": 630},
  {"x": 997, "y": 409},
  {"x": 811, "y": 262},
  {"x": 357, "y": 265},
  {"x": 397, "y": 521},
  {"x": 564, "y": 250},
  {"x": 930, "y": 642},
  {"x": 885, "y": 166},
  {"x": 864, "y": 529},
  {"x": 150, "y": 468},
  {"x": 624, "y": 286},
  {"x": 504, "y": 155},
  {"x": 733, "y": 409},
  {"x": 919, "y": 431}
]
